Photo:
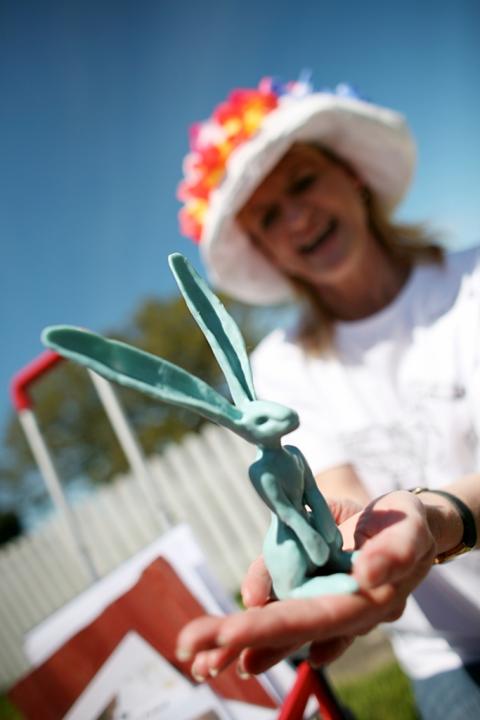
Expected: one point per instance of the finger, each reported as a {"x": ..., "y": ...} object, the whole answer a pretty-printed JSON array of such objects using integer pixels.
[
  {"x": 390, "y": 565},
  {"x": 209, "y": 663},
  {"x": 343, "y": 508},
  {"x": 289, "y": 622},
  {"x": 390, "y": 599},
  {"x": 394, "y": 553},
  {"x": 253, "y": 661},
  {"x": 416, "y": 575},
  {"x": 274, "y": 626},
  {"x": 257, "y": 585},
  {"x": 299, "y": 621},
  {"x": 348, "y": 528},
  {"x": 199, "y": 634},
  {"x": 325, "y": 652},
  {"x": 200, "y": 667}
]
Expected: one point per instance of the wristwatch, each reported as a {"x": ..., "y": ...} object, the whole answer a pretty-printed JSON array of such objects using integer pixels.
[{"x": 469, "y": 537}]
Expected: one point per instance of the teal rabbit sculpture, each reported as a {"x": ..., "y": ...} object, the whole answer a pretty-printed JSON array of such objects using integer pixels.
[{"x": 303, "y": 546}]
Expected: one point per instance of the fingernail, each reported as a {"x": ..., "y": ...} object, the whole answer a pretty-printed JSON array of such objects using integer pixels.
[
  {"x": 183, "y": 654},
  {"x": 242, "y": 673},
  {"x": 222, "y": 640},
  {"x": 213, "y": 672},
  {"x": 197, "y": 676},
  {"x": 246, "y": 598}
]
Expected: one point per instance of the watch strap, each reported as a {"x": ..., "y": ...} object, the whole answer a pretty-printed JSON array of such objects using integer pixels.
[{"x": 469, "y": 537}]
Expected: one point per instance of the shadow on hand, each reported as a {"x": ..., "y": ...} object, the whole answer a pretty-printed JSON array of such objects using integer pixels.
[{"x": 372, "y": 520}]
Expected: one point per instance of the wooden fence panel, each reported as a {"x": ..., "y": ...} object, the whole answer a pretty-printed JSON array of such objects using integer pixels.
[{"x": 202, "y": 481}]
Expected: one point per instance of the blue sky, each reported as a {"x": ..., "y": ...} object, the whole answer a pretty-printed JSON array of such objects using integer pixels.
[{"x": 96, "y": 99}]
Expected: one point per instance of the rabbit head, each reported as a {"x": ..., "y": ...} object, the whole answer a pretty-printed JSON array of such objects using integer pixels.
[{"x": 266, "y": 422}]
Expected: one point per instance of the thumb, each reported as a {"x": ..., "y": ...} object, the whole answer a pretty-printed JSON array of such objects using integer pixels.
[
  {"x": 257, "y": 584},
  {"x": 342, "y": 508}
]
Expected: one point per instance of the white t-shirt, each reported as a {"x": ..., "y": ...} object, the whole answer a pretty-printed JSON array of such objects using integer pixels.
[{"x": 400, "y": 401}]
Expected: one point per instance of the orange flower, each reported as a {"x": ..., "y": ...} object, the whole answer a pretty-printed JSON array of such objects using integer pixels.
[{"x": 233, "y": 123}]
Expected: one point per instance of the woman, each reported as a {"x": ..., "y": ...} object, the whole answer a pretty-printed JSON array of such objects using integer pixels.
[{"x": 290, "y": 193}]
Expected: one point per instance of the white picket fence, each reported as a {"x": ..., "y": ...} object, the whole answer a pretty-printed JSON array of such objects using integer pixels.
[{"x": 202, "y": 481}]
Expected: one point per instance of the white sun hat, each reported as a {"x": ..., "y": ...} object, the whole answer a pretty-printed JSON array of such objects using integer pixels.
[{"x": 246, "y": 137}]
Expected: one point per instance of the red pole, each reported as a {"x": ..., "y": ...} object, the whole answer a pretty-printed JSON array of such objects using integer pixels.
[
  {"x": 23, "y": 403},
  {"x": 310, "y": 682},
  {"x": 28, "y": 375}
]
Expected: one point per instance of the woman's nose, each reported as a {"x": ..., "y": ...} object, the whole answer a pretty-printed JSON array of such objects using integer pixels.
[{"x": 297, "y": 215}]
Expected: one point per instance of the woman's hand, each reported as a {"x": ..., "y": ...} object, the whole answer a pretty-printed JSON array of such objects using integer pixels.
[{"x": 397, "y": 547}]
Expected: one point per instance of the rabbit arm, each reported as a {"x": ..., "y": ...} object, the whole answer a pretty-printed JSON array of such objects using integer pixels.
[
  {"x": 321, "y": 516},
  {"x": 271, "y": 491}
]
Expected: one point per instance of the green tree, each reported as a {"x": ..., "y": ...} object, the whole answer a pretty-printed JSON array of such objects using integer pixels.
[
  {"x": 73, "y": 421},
  {"x": 10, "y": 526}
]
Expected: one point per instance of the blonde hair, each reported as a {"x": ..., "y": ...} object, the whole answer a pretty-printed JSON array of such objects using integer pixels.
[{"x": 407, "y": 244}]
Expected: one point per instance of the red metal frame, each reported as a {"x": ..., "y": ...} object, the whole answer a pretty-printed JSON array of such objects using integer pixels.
[
  {"x": 308, "y": 683},
  {"x": 28, "y": 375}
]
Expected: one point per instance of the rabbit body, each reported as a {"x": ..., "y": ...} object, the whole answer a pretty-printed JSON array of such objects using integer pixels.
[
  {"x": 302, "y": 536},
  {"x": 303, "y": 539}
]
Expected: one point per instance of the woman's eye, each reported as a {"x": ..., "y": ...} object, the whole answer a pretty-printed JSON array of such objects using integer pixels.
[
  {"x": 269, "y": 217},
  {"x": 303, "y": 183}
]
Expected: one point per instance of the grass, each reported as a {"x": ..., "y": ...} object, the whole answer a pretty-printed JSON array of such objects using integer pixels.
[
  {"x": 382, "y": 695},
  {"x": 7, "y": 710}
]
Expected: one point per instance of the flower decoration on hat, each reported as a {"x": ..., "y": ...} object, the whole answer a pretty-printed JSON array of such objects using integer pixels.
[{"x": 212, "y": 142}]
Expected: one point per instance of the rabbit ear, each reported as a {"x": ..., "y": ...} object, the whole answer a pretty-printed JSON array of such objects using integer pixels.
[
  {"x": 219, "y": 328},
  {"x": 142, "y": 371}
]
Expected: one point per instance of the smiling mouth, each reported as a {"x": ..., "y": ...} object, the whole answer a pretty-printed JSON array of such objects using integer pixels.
[{"x": 320, "y": 239}]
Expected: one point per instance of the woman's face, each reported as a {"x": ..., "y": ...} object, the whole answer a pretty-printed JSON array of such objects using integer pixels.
[{"x": 309, "y": 217}]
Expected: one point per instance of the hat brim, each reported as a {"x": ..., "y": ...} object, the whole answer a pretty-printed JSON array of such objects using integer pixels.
[{"x": 374, "y": 141}]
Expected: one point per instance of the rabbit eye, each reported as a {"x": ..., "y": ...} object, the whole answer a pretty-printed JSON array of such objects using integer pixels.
[{"x": 261, "y": 420}]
